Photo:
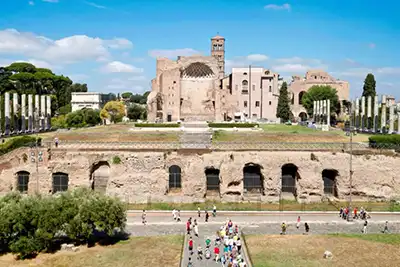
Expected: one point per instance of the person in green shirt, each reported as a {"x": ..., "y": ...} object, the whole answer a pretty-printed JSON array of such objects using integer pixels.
[{"x": 208, "y": 242}]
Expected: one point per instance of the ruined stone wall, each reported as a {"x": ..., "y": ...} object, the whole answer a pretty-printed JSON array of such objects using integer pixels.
[{"x": 144, "y": 175}]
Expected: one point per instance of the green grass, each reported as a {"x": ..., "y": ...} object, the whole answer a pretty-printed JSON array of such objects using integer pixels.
[
  {"x": 392, "y": 239},
  {"x": 293, "y": 129}
]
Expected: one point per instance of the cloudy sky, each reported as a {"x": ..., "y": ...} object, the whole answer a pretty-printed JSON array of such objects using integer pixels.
[{"x": 112, "y": 44}]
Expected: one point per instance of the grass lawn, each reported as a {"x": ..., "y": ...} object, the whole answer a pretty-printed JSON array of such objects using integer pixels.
[
  {"x": 286, "y": 206},
  {"x": 287, "y": 133},
  {"x": 307, "y": 251},
  {"x": 137, "y": 251}
]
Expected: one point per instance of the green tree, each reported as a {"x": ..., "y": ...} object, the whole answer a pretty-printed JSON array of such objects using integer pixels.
[
  {"x": 114, "y": 111},
  {"x": 126, "y": 95},
  {"x": 136, "y": 112},
  {"x": 22, "y": 67},
  {"x": 78, "y": 87},
  {"x": 320, "y": 92},
  {"x": 283, "y": 108},
  {"x": 369, "y": 88}
]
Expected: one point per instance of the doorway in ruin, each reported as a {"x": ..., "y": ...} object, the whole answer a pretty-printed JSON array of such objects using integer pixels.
[
  {"x": 253, "y": 180},
  {"x": 288, "y": 181},
  {"x": 99, "y": 175},
  {"x": 330, "y": 182},
  {"x": 212, "y": 179}
]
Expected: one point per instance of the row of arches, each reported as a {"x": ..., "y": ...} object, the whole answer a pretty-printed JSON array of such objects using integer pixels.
[{"x": 253, "y": 180}]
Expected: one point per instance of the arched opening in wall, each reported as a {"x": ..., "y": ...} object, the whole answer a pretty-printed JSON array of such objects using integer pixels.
[
  {"x": 175, "y": 178},
  {"x": 330, "y": 182},
  {"x": 301, "y": 94},
  {"x": 253, "y": 180},
  {"x": 212, "y": 177},
  {"x": 303, "y": 116},
  {"x": 292, "y": 99},
  {"x": 245, "y": 87},
  {"x": 99, "y": 175},
  {"x": 289, "y": 176},
  {"x": 60, "y": 182},
  {"x": 22, "y": 181}
]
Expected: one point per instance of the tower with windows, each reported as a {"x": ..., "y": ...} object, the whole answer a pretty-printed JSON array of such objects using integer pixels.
[{"x": 218, "y": 51}]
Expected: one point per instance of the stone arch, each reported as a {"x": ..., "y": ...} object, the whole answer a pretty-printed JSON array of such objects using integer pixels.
[
  {"x": 290, "y": 175},
  {"x": 175, "y": 177},
  {"x": 303, "y": 116},
  {"x": 22, "y": 181},
  {"x": 212, "y": 179},
  {"x": 99, "y": 175},
  {"x": 330, "y": 182},
  {"x": 253, "y": 180},
  {"x": 301, "y": 94},
  {"x": 60, "y": 182}
]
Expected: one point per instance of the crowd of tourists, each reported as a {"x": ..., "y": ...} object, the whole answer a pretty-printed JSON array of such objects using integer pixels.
[
  {"x": 225, "y": 247},
  {"x": 346, "y": 213}
]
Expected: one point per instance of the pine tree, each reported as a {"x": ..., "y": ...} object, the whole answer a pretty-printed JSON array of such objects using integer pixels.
[
  {"x": 283, "y": 108},
  {"x": 369, "y": 86}
]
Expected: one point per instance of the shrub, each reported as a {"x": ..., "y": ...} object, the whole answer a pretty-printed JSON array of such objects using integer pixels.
[
  {"x": 385, "y": 141},
  {"x": 156, "y": 125},
  {"x": 116, "y": 160},
  {"x": 29, "y": 225},
  {"x": 232, "y": 125},
  {"x": 17, "y": 142},
  {"x": 59, "y": 122}
]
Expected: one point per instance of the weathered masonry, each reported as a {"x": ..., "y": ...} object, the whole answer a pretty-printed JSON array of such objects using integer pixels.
[{"x": 188, "y": 177}]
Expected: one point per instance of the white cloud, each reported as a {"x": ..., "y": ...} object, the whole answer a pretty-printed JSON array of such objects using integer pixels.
[
  {"x": 95, "y": 5},
  {"x": 126, "y": 85},
  {"x": 50, "y": 1},
  {"x": 39, "y": 63},
  {"x": 31, "y": 3},
  {"x": 257, "y": 57},
  {"x": 66, "y": 50},
  {"x": 119, "y": 67},
  {"x": 137, "y": 78},
  {"x": 278, "y": 7},
  {"x": 298, "y": 60},
  {"x": 291, "y": 68},
  {"x": 388, "y": 71},
  {"x": 173, "y": 53}
]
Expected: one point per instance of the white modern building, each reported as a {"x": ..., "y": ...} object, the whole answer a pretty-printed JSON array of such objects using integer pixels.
[{"x": 86, "y": 100}]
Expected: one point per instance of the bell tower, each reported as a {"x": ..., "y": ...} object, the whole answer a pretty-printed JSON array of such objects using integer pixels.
[{"x": 218, "y": 51}]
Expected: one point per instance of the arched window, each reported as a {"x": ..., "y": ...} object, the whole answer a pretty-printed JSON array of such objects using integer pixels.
[
  {"x": 175, "y": 180},
  {"x": 253, "y": 179},
  {"x": 22, "y": 181},
  {"x": 212, "y": 176},
  {"x": 99, "y": 176},
  {"x": 289, "y": 176},
  {"x": 60, "y": 182},
  {"x": 329, "y": 177},
  {"x": 292, "y": 99},
  {"x": 301, "y": 94},
  {"x": 245, "y": 86}
]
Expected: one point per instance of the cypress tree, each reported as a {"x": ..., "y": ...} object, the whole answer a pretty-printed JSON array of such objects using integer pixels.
[
  {"x": 283, "y": 108},
  {"x": 369, "y": 86}
]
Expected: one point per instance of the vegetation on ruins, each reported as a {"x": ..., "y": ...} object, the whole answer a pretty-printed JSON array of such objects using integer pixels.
[
  {"x": 116, "y": 160},
  {"x": 77, "y": 119},
  {"x": 157, "y": 125},
  {"x": 25, "y": 78},
  {"x": 385, "y": 141},
  {"x": 232, "y": 125},
  {"x": 320, "y": 92},
  {"x": 113, "y": 111},
  {"x": 17, "y": 142},
  {"x": 283, "y": 108},
  {"x": 137, "y": 112},
  {"x": 33, "y": 224}
]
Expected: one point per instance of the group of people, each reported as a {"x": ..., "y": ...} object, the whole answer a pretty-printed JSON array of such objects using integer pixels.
[
  {"x": 298, "y": 224},
  {"x": 345, "y": 213},
  {"x": 227, "y": 247}
]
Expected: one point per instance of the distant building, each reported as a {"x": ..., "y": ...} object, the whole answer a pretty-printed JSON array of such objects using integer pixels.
[
  {"x": 88, "y": 100},
  {"x": 300, "y": 85}
]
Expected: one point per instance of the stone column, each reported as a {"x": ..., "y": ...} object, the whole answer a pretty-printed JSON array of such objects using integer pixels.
[
  {"x": 398, "y": 122},
  {"x": 369, "y": 110},
  {"x": 30, "y": 113},
  {"x": 383, "y": 114},
  {"x": 320, "y": 113},
  {"x": 324, "y": 105},
  {"x": 328, "y": 112},
  {"x": 7, "y": 114},
  {"x": 317, "y": 112},
  {"x": 48, "y": 111},
  {"x": 43, "y": 121},
  {"x": 391, "y": 119},
  {"x": 357, "y": 116},
  {"x": 314, "y": 109},
  {"x": 36, "y": 117},
  {"x": 15, "y": 113},
  {"x": 376, "y": 112},
  {"x": 362, "y": 113},
  {"x": 23, "y": 113}
]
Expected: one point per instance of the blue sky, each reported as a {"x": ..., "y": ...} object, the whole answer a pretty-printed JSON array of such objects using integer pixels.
[{"x": 111, "y": 44}]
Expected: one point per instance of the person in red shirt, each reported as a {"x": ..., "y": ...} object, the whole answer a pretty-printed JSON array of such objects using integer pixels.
[
  {"x": 355, "y": 213},
  {"x": 216, "y": 252},
  {"x": 188, "y": 227},
  {"x": 190, "y": 246}
]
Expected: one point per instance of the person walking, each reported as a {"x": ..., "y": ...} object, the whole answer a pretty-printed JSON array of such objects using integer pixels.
[
  {"x": 188, "y": 227},
  {"x": 144, "y": 217},
  {"x": 214, "y": 211},
  {"x": 283, "y": 226},
  {"x": 199, "y": 253},
  {"x": 190, "y": 263},
  {"x": 174, "y": 214},
  {"x": 207, "y": 216},
  {"x": 386, "y": 229},
  {"x": 298, "y": 222},
  {"x": 307, "y": 228},
  {"x": 56, "y": 141},
  {"x": 364, "y": 231},
  {"x": 178, "y": 218},
  {"x": 198, "y": 211},
  {"x": 190, "y": 246},
  {"x": 196, "y": 230}
]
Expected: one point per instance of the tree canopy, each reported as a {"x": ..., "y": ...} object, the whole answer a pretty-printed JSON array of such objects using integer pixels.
[
  {"x": 320, "y": 92},
  {"x": 283, "y": 108},
  {"x": 369, "y": 86},
  {"x": 114, "y": 111},
  {"x": 137, "y": 112}
]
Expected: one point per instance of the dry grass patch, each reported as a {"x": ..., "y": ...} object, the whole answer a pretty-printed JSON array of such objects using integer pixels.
[
  {"x": 137, "y": 251},
  {"x": 307, "y": 251}
]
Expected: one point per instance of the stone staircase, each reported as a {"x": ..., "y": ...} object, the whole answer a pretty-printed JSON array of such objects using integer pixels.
[{"x": 195, "y": 135}]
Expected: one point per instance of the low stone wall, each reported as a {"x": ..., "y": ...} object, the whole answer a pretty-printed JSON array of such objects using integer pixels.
[{"x": 141, "y": 176}]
